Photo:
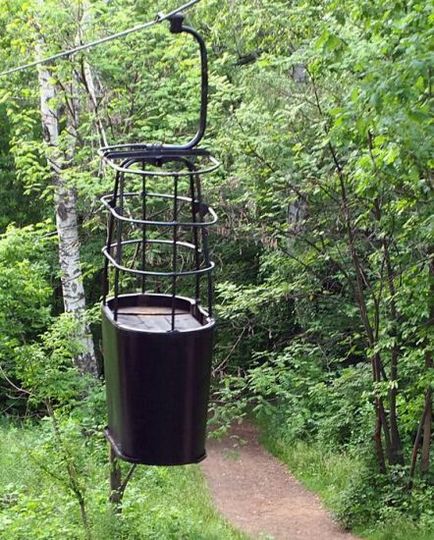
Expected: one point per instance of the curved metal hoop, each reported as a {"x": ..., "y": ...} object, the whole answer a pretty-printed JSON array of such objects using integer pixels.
[
  {"x": 109, "y": 158},
  {"x": 155, "y": 273},
  {"x": 107, "y": 202}
]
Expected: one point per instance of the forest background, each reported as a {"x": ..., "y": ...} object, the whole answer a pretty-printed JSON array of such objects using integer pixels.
[{"x": 321, "y": 113}]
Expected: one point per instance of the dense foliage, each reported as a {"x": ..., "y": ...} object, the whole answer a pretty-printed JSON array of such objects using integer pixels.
[{"x": 321, "y": 115}]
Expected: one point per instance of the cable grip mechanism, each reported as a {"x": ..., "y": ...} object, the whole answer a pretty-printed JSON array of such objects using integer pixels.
[{"x": 177, "y": 23}]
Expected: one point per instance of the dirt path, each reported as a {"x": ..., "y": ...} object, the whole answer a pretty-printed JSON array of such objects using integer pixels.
[{"x": 255, "y": 492}]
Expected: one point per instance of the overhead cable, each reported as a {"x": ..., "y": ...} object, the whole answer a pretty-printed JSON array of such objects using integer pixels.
[{"x": 70, "y": 52}]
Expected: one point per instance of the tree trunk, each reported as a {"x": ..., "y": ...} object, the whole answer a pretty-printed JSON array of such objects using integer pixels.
[
  {"x": 87, "y": 77},
  {"x": 427, "y": 426},
  {"x": 397, "y": 454},
  {"x": 66, "y": 220},
  {"x": 381, "y": 419},
  {"x": 427, "y": 432},
  {"x": 115, "y": 480}
]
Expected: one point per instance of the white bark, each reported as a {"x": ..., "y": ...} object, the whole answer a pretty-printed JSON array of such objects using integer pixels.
[
  {"x": 88, "y": 78},
  {"x": 66, "y": 217}
]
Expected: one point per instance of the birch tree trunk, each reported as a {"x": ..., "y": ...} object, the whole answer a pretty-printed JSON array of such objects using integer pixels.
[
  {"x": 87, "y": 78},
  {"x": 66, "y": 218}
]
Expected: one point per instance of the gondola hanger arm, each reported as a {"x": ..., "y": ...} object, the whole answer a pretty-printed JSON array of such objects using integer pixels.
[{"x": 160, "y": 17}]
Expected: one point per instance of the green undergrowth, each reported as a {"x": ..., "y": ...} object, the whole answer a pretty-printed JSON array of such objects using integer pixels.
[
  {"x": 36, "y": 504},
  {"x": 332, "y": 475}
]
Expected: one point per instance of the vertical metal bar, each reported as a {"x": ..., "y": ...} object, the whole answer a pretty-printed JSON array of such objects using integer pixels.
[
  {"x": 175, "y": 248},
  {"x": 144, "y": 230},
  {"x": 194, "y": 209},
  {"x": 119, "y": 245},
  {"x": 209, "y": 274},
  {"x": 205, "y": 247},
  {"x": 111, "y": 223}
]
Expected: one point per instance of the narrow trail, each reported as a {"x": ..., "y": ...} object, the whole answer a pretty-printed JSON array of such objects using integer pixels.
[{"x": 256, "y": 493}]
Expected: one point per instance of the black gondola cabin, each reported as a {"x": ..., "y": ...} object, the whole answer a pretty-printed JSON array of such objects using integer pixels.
[{"x": 157, "y": 318}]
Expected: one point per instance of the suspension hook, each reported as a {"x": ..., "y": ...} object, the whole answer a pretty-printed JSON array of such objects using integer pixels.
[{"x": 177, "y": 27}]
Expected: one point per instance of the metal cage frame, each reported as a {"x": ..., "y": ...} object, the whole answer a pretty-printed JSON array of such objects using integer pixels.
[{"x": 136, "y": 160}]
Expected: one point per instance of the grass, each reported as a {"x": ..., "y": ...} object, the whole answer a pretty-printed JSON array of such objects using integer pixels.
[
  {"x": 35, "y": 503},
  {"x": 324, "y": 473},
  {"x": 160, "y": 503},
  {"x": 401, "y": 530},
  {"x": 328, "y": 474}
]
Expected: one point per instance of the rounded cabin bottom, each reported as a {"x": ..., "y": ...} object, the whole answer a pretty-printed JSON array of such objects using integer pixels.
[{"x": 157, "y": 379}]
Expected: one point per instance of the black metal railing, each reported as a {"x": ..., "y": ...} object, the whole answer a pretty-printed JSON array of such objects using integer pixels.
[{"x": 147, "y": 220}]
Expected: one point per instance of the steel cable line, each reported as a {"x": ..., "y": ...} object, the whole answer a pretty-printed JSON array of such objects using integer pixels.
[{"x": 160, "y": 17}]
